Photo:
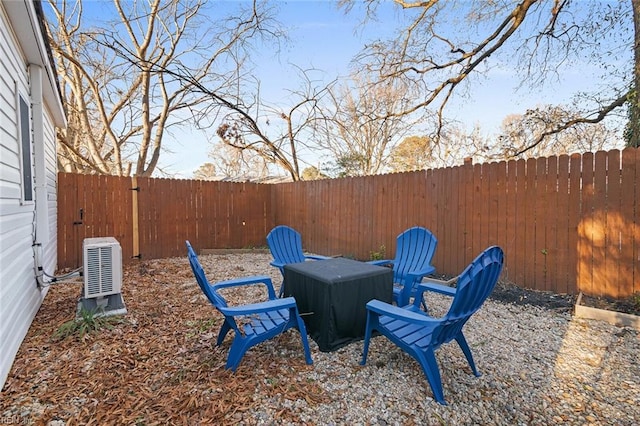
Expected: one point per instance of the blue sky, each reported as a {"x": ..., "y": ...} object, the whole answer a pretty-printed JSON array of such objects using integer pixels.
[{"x": 324, "y": 38}]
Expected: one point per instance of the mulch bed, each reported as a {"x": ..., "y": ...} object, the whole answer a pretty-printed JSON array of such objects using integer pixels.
[
  {"x": 157, "y": 365},
  {"x": 509, "y": 293},
  {"x": 629, "y": 305}
]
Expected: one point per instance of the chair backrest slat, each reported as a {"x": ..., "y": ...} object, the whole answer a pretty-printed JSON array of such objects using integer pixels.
[
  {"x": 474, "y": 285},
  {"x": 415, "y": 248},
  {"x": 215, "y": 299},
  {"x": 285, "y": 244}
]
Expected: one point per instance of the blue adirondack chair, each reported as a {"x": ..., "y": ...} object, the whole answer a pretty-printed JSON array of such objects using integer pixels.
[
  {"x": 415, "y": 248},
  {"x": 285, "y": 245},
  {"x": 254, "y": 323},
  {"x": 420, "y": 335}
]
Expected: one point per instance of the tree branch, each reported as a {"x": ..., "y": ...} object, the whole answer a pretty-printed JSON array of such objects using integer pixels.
[{"x": 580, "y": 120}]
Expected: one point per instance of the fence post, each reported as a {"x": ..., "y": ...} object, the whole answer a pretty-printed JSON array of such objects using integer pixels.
[{"x": 134, "y": 217}]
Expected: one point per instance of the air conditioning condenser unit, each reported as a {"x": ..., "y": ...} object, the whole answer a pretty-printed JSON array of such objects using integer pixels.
[
  {"x": 102, "y": 266},
  {"x": 102, "y": 270}
]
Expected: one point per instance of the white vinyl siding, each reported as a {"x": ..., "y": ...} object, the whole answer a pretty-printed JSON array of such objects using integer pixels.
[
  {"x": 20, "y": 296},
  {"x": 50, "y": 246}
]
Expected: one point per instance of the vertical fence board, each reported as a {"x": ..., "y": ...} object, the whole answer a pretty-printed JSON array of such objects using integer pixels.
[
  {"x": 469, "y": 212},
  {"x": 519, "y": 254},
  {"x": 379, "y": 218},
  {"x": 540, "y": 244},
  {"x": 439, "y": 217},
  {"x": 328, "y": 218},
  {"x": 478, "y": 202},
  {"x": 562, "y": 231},
  {"x": 629, "y": 224},
  {"x": 612, "y": 228},
  {"x": 529, "y": 217},
  {"x": 365, "y": 222},
  {"x": 426, "y": 186},
  {"x": 405, "y": 201},
  {"x": 598, "y": 241},
  {"x": 551, "y": 228},
  {"x": 495, "y": 215},
  {"x": 202, "y": 209},
  {"x": 181, "y": 217},
  {"x": 484, "y": 207},
  {"x": 636, "y": 227},
  {"x": 346, "y": 210},
  {"x": 574, "y": 214},
  {"x": 364, "y": 194},
  {"x": 450, "y": 188},
  {"x": 400, "y": 191},
  {"x": 336, "y": 203},
  {"x": 457, "y": 235},
  {"x": 585, "y": 251},
  {"x": 220, "y": 204},
  {"x": 499, "y": 195},
  {"x": 65, "y": 227},
  {"x": 511, "y": 267}
]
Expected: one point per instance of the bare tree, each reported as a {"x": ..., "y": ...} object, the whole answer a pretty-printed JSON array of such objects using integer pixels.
[
  {"x": 632, "y": 131},
  {"x": 275, "y": 133},
  {"x": 522, "y": 131},
  {"x": 236, "y": 163},
  {"x": 207, "y": 171},
  {"x": 359, "y": 127},
  {"x": 121, "y": 104},
  {"x": 313, "y": 173},
  {"x": 413, "y": 153},
  {"x": 446, "y": 43}
]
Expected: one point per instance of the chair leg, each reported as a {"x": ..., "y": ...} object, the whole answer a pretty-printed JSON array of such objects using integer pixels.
[
  {"x": 424, "y": 305},
  {"x": 281, "y": 292},
  {"x": 237, "y": 351},
  {"x": 223, "y": 332},
  {"x": 367, "y": 337},
  {"x": 430, "y": 368},
  {"x": 467, "y": 352},
  {"x": 303, "y": 336}
]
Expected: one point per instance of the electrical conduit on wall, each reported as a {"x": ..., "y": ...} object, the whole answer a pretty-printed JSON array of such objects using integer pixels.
[{"x": 41, "y": 236}]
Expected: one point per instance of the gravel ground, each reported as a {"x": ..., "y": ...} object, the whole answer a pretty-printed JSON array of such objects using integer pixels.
[{"x": 539, "y": 366}]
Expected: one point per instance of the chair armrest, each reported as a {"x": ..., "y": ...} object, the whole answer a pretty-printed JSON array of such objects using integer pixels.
[
  {"x": 239, "y": 282},
  {"x": 256, "y": 308},
  {"x": 315, "y": 257},
  {"x": 396, "y": 312},
  {"x": 439, "y": 286},
  {"x": 417, "y": 275},
  {"x": 380, "y": 262},
  {"x": 277, "y": 264}
]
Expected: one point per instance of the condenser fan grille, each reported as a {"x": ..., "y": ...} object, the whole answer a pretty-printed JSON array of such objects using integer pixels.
[
  {"x": 102, "y": 267},
  {"x": 100, "y": 270}
]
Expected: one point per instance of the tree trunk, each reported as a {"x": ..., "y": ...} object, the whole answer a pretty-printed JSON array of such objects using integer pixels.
[{"x": 634, "y": 101}]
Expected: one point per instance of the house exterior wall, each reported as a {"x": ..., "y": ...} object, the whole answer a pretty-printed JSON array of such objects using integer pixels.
[{"x": 20, "y": 294}]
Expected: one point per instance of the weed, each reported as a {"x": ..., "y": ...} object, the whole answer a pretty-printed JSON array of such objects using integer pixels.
[
  {"x": 253, "y": 247},
  {"x": 201, "y": 326},
  {"x": 87, "y": 323},
  {"x": 380, "y": 254},
  {"x": 635, "y": 299}
]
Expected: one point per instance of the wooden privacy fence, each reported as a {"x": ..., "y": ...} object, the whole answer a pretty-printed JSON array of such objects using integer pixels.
[
  {"x": 566, "y": 223},
  {"x": 151, "y": 218}
]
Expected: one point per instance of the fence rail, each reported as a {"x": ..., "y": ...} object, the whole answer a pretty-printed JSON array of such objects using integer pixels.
[{"x": 566, "y": 223}]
